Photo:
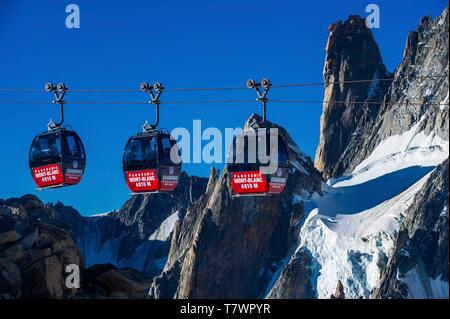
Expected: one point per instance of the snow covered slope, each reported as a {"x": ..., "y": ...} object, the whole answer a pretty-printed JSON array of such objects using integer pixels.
[
  {"x": 377, "y": 230},
  {"x": 350, "y": 231}
]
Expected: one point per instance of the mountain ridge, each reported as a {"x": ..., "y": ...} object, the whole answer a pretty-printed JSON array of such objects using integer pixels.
[{"x": 367, "y": 219}]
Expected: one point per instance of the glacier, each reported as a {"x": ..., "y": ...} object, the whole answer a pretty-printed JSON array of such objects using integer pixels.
[{"x": 350, "y": 229}]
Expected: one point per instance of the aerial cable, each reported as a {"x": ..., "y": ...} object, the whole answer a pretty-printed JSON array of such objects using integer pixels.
[
  {"x": 357, "y": 81},
  {"x": 287, "y": 85},
  {"x": 222, "y": 102}
]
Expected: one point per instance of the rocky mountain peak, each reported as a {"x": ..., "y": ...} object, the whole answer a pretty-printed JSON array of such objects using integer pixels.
[
  {"x": 350, "y": 132},
  {"x": 351, "y": 55}
]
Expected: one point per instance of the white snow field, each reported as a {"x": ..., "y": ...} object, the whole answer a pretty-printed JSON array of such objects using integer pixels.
[{"x": 350, "y": 230}]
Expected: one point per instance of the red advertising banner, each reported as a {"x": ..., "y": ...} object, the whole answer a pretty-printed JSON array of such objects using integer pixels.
[
  {"x": 169, "y": 178},
  {"x": 277, "y": 182},
  {"x": 143, "y": 181},
  {"x": 169, "y": 183},
  {"x": 48, "y": 175},
  {"x": 72, "y": 176},
  {"x": 276, "y": 188},
  {"x": 248, "y": 182}
]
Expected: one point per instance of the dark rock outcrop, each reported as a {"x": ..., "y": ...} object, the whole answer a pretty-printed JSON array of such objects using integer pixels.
[
  {"x": 352, "y": 55},
  {"x": 339, "y": 294},
  {"x": 34, "y": 251},
  {"x": 36, "y": 247},
  {"x": 107, "y": 281}
]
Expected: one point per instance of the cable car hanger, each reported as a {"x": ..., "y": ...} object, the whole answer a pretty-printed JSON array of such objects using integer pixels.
[
  {"x": 265, "y": 84},
  {"x": 58, "y": 93},
  {"x": 147, "y": 162},
  {"x": 250, "y": 83},
  {"x": 57, "y": 157},
  {"x": 247, "y": 178},
  {"x": 154, "y": 91}
]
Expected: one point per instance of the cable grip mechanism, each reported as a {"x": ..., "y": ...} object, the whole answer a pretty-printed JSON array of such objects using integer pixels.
[
  {"x": 261, "y": 88},
  {"x": 59, "y": 92}
]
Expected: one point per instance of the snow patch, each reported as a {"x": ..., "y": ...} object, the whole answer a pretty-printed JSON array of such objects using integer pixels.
[
  {"x": 353, "y": 247},
  {"x": 351, "y": 229},
  {"x": 444, "y": 211},
  {"x": 101, "y": 214},
  {"x": 412, "y": 157},
  {"x": 165, "y": 229},
  {"x": 409, "y": 140},
  {"x": 444, "y": 103}
]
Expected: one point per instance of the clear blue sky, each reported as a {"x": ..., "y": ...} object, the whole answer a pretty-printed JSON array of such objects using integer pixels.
[{"x": 181, "y": 43}]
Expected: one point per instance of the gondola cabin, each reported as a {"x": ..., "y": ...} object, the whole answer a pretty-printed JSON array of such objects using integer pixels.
[
  {"x": 253, "y": 170},
  {"x": 57, "y": 158},
  {"x": 151, "y": 162}
]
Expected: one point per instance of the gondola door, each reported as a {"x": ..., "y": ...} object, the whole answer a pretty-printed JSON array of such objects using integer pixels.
[{"x": 74, "y": 159}]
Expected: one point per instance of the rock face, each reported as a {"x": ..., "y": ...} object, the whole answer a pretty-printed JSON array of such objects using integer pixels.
[
  {"x": 295, "y": 281},
  {"x": 419, "y": 266},
  {"x": 227, "y": 247},
  {"x": 339, "y": 294},
  {"x": 34, "y": 251},
  {"x": 410, "y": 102},
  {"x": 351, "y": 55}
]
